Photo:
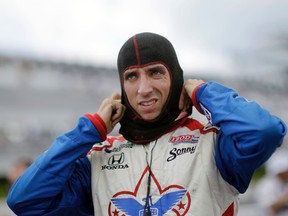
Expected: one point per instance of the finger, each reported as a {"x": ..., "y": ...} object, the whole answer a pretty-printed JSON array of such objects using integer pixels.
[
  {"x": 116, "y": 96},
  {"x": 118, "y": 116},
  {"x": 118, "y": 109},
  {"x": 189, "y": 105}
]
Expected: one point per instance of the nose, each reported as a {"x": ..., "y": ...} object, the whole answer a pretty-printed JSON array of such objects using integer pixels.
[{"x": 145, "y": 85}]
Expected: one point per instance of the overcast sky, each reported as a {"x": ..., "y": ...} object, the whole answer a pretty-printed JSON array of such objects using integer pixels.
[{"x": 204, "y": 32}]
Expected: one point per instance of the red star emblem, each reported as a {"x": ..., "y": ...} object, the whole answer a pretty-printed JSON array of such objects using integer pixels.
[
  {"x": 181, "y": 205},
  {"x": 115, "y": 212}
]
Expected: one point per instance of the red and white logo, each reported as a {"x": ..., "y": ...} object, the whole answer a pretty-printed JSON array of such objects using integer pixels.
[{"x": 184, "y": 139}]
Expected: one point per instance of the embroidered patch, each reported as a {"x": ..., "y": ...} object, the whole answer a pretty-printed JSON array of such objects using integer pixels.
[
  {"x": 172, "y": 200},
  {"x": 187, "y": 138}
]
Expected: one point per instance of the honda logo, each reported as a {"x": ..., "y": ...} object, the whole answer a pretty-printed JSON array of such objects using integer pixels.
[{"x": 116, "y": 159}]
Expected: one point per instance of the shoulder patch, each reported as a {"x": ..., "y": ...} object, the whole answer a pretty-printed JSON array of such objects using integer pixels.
[
  {"x": 193, "y": 124},
  {"x": 209, "y": 128},
  {"x": 107, "y": 144}
]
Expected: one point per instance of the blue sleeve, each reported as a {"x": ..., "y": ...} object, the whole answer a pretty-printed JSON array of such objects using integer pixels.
[
  {"x": 59, "y": 181},
  {"x": 248, "y": 133}
]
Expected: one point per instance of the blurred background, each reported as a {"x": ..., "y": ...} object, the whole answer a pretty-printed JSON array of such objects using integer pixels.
[{"x": 58, "y": 61}]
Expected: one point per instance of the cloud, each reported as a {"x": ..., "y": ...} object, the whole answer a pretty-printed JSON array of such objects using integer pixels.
[{"x": 202, "y": 30}]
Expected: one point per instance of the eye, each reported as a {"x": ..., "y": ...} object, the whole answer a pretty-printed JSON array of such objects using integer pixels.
[
  {"x": 130, "y": 75},
  {"x": 156, "y": 72}
]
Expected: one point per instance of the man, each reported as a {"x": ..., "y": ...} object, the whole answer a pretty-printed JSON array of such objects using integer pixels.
[
  {"x": 271, "y": 192},
  {"x": 17, "y": 169},
  {"x": 164, "y": 163}
]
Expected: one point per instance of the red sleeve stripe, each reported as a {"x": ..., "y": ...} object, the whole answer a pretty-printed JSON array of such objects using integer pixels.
[
  {"x": 194, "y": 99},
  {"x": 98, "y": 122}
]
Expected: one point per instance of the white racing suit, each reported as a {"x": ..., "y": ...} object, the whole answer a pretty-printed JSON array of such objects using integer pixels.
[
  {"x": 192, "y": 170},
  {"x": 184, "y": 176}
]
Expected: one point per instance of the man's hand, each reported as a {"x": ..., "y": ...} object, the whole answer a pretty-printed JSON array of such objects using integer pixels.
[
  {"x": 111, "y": 111},
  {"x": 186, "y": 95}
]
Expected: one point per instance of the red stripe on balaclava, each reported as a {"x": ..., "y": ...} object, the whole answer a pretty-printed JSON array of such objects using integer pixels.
[{"x": 139, "y": 51}]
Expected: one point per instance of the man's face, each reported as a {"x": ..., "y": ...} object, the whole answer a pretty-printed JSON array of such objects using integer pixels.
[{"x": 147, "y": 89}]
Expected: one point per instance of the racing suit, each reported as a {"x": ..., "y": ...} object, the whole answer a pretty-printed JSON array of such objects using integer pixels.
[{"x": 193, "y": 169}]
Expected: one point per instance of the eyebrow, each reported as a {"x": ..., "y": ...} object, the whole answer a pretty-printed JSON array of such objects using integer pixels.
[
  {"x": 151, "y": 67},
  {"x": 157, "y": 67}
]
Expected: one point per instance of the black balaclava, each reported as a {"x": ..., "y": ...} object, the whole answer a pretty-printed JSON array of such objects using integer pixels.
[{"x": 139, "y": 51}]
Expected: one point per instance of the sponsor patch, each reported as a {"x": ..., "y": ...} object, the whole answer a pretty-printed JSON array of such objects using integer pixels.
[
  {"x": 119, "y": 148},
  {"x": 116, "y": 161},
  {"x": 184, "y": 139},
  {"x": 175, "y": 152}
]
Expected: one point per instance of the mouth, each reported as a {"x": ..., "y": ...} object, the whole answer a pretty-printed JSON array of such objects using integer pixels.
[{"x": 148, "y": 104}]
